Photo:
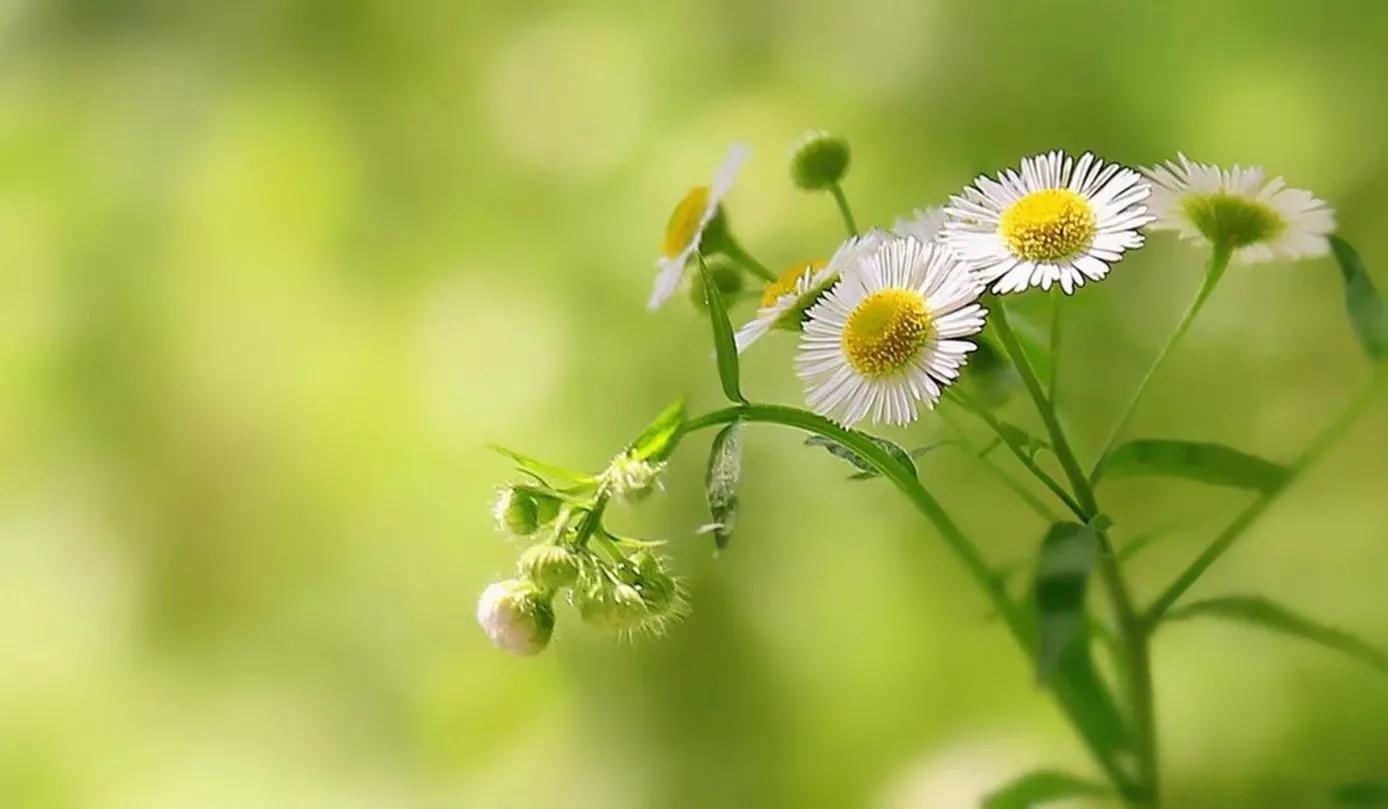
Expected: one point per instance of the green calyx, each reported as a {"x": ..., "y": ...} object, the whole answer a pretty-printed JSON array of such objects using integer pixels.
[
  {"x": 819, "y": 161},
  {"x": 727, "y": 275},
  {"x": 550, "y": 567},
  {"x": 1233, "y": 220}
]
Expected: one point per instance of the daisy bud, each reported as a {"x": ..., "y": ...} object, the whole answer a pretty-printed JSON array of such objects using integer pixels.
[
  {"x": 516, "y": 512},
  {"x": 614, "y": 606},
  {"x": 727, "y": 276},
  {"x": 631, "y": 479},
  {"x": 516, "y": 616},
  {"x": 819, "y": 161},
  {"x": 550, "y": 567}
]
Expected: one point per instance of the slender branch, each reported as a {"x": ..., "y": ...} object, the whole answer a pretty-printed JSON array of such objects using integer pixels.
[
  {"x": 1015, "y": 486},
  {"x": 1056, "y": 298},
  {"x": 738, "y": 253},
  {"x": 905, "y": 482},
  {"x": 1250, "y": 515},
  {"x": 1135, "y": 641},
  {"x": 1219, "y": 261},
  {"x": 844, "y": 210}
]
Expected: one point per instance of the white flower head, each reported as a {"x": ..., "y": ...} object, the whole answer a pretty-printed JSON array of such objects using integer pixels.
[
  {"x": 925, "y": 226},
  {"x": 1261, "y": 219},
  {"x": 687, "y": 224},
  {"x": 516, "y": 617},
  {"x": 632, "y": 479},
  {"x": 785, "y": 300},
  {"x": 1056, "y": 221},
  {"x": 889, "y": 335}
]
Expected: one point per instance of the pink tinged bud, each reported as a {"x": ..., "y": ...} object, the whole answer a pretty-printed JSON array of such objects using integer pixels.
[{"x": 515, "y": 617}]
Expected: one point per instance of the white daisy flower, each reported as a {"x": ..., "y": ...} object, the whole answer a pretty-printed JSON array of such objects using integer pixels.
[
  {"x": 888, "y": 335},
  {"x": 925, "y": 225},
  {"x": 784, "y": 301},
  {"x": 1261, "y": 219},
  {"x": 1059, "y": 220},
  {"x": 688, "y": 222}
]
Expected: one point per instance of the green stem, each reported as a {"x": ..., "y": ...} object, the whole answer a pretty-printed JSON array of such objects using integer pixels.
[
  {"x": 1056, "y": 297},
  {"x": 738, "y": 253},
  {"x": 1138, "y": 671},
  {"x": 1015, "y": 486},
  {"x": 905, "y": 482},
  {"x": 844, "y": 210},
  {"x": 1250, "y": 515},
  {"x": 1214, "y": 271}
]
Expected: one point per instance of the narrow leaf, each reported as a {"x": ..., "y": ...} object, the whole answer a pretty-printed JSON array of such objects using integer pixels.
[
  {"x": 1367, "y": 314},
  {"x": 1362, "y": 794},
  {"x": 865, "y": 469},
  {"x": 1215, "y": 464},
  {"x": 656, "y": 442},
  {"x": 540, "y": 469},
  {"x": 1062, "y": 578},
  {"x": 1027, "y": 443},
  {"x": 724, "y": 344},
  {"x": 1041, "y": 787},
  {"x": 720, "y": 481},
  {"x": 1269, "y": 615},
  {"x": 1078, "y": 686}
]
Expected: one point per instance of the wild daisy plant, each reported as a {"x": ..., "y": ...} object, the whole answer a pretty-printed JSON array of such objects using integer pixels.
[{"x": 903, "y": 319}]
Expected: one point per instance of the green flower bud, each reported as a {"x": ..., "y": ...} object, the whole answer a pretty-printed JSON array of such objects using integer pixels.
[
  {"x": 516, "y": 616},
  {"x": 614, "y": 606},
  {"x": 819, "y": 161},
  {"x": 727, "y": 276},
  {"x": 631, "y": 479},
  {"x": 516, "y": 511},
  {"x": 550, "y": 567},
  {"x": 658, "y": 589}
]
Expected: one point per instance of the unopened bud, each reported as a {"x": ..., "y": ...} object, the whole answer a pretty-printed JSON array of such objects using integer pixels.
[
  {"x": 614, "y": 606},
  {"x": 632, "y": 479},
  {"x": 727, "y": 276},
  {"x": 550, "y": 567},
  {"x": 516, "y": 512},
  {"x": 516, "y": 616},
  {"x": 819, "y": 161}
]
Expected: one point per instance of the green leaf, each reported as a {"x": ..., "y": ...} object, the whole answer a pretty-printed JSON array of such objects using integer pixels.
[
  {"x": 1062, "y": 579},
  {"x": 918, "y": 452},
  {"x": 540, "y": 469},
  {"x": 1029, "y": 444},
  {"x": 1362, "y": 794},
  {"x": 720, "y": 482},
  {"x": 1269, "y": 615},
  {"x": 1078, "y": 686},
  {"x": 1367, "y": 313},
  {"x": 865, "y": 469},
  {"x": 724, "y": 345},
  {"x": 1208, "y": 463},
  {"x": 657, "y": 441},
  {"x": 1041, "y": 787}
]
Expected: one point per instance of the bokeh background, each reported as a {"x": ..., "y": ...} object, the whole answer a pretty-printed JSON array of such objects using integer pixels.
[{"x": 272, "y": 273}]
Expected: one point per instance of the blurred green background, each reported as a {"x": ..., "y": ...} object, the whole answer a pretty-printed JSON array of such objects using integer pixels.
[{"x": 272, "y": 273}]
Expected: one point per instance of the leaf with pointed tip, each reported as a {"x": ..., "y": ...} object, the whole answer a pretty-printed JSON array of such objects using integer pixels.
[
  {"x": 1270, "y": 615},
  {"x": 865, "y": 469},
  {"x": 1022, "y": 440},
  {"x": 657, "y": 441},
  {"x": 1215, "y": 464},
  {"x": 1362, "y": 794},
  {"x": 1041, "y": 787},
  {"x": 541, "y": 470},
  {"x": 724, "y": 344},
  {"x": 721, "y": 479},
  {"x": 1062, "y": 579},
  {"x": 1367, "y": 314}
]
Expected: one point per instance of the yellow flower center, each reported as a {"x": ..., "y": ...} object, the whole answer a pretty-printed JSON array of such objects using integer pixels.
[
  {"x": 786, "y": 281},
  {"x": 684, "y": 221},
  {"x": 886, "y": 332},
  {"x": 1048, "y": 225}
]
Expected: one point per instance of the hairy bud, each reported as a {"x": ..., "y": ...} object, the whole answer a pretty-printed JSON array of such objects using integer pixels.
[
  {"x": 516, "y": 616},
  {"x": 819, "y": 161},
  {"x": 550, "y": 567}
]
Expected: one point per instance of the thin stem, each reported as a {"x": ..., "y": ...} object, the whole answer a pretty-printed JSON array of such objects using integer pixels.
[
  {"x": 738, "y": 253},
  {"x": 1024, "y": 457},
  {"x": 1250, "y": 515},
  {"x": 1015, "y": 486},
  {"x": 985, "y": 576},
  {"x": 844, "y": 211},
  {"x": 1056, "y": 297},
  {"x": 1138, "y": 671},
  {"x": 1219, "y": 262}
]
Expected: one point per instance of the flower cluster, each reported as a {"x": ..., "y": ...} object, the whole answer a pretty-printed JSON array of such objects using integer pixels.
[{"x": 615, "y": 583}]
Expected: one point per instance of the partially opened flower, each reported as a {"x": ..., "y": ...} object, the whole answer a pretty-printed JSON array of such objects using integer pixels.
[
  {"x": 888, "y": 336},
  {"x": 1057, "y": 221},
  {"x": 925, "y": 226},
  {"x": 688, "y": 222},
  {"x": 784, "y": 301},
  {"x": 1258, "y": 218}
]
